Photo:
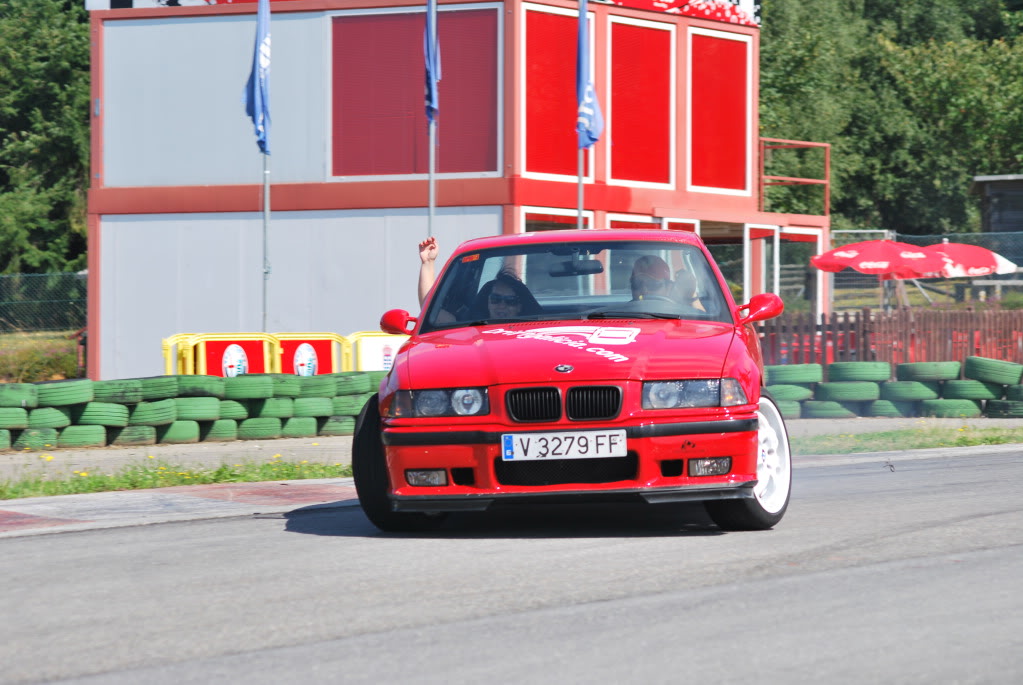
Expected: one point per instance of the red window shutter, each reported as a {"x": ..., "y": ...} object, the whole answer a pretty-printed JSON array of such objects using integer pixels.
[
  {"x": 379, "y": 122},
  {"x": 720, "y": 106},
  {"x": 641, "y": 101}
]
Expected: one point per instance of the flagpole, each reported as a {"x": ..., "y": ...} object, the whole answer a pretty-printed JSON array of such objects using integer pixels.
[
  {"x": 589, "y": 122},
  {"x": 433, "y": 180},
  {"x": 431, "y": 59},
  {"x": 579, "y": 222},
  {"x": 266, "y": 233}
]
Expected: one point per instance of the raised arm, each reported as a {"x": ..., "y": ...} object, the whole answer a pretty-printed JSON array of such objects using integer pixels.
[{"x": 428, "y": 256}]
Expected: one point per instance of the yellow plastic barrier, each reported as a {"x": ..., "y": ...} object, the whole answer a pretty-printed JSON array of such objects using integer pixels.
[
  {"x": 233, "y": 354},
  {"x": 308, "y": 354},
  {"x": 371, "y": 350},
  {"x": 178, "y": 356}
]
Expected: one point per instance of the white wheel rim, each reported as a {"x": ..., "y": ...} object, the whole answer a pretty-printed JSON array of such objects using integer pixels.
[{"x": 774, "y": 463}]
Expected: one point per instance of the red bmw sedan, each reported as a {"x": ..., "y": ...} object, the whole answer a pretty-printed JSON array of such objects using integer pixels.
[{"x": 575, "y": 366}]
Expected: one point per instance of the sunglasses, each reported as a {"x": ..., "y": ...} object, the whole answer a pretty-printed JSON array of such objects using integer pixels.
[{"x": 509, "y": 300}]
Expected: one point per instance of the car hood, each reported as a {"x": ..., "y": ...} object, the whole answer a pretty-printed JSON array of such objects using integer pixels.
[{"x": 530, "y": 353}]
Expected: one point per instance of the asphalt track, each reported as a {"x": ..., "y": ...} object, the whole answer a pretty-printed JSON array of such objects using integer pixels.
[{"x": 65, "y": 513}]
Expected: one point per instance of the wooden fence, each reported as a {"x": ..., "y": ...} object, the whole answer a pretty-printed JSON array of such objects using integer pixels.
[{"x": 907, "y": 335}]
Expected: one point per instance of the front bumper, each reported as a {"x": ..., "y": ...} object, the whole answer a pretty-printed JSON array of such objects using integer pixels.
[{"x": 657, "y": 469}]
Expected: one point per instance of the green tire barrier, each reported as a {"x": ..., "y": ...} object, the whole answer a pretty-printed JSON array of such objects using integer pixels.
[
  {"x": 159, "y": 387},
  {"x": 790, "y": 409},
  {"x": 299, "y": 427},
  {"x": 950, "y": 408},
  {"x": 351, "y": 405},
  {"x": 35, "y": 439},
  {"x": 847, "y": 391},
  {"x": 272, "y": 408},
  {"x": 971, "y": 390},
  {"x": 374, "y": 379},
  {"x": 1014, "y": 392},
  {"x": 21, "y": 395},
  {"x": 887, "y": 408},
  {"x": 233, "y": 409},
  {"x": 990, "y": 370},
  {"x": 197, "y": 408},
  {"x": 221, "y": 430},
  {"x": 910, "y": 391},
  {"x": 131, "y": 436},
  {"x": 285, "y": 384},
  {"x": 13, "y": 417},
  {"x": 354, "y": 383},
  {"x": 337, "y": 425},
  {"x": 878, "y": 372},
  {"x": 783, "y": 392},
  {"x": 49, "y": 417},
  {"x": 259, "y": 429},
  {"x": 201, "y": 386},
  {"x": 314, "y": 406},
  {"x": 927, "y": 371},
  {"x": 119, "y": 392},
  {"x": 82, "y": 436},
  {"x": 5, "y": 439},
  {"x": 99, "y": 414},
  {"x": 323, "y": 385},
  {"x": 1004, "y": 409},
  {"x": 157, "y": 413},
  {"x": 64, "y": 393},
  {"x": 794, "y": 373},
  {"x": 178, "y": 433},
  {"x": 826, "y": 409},
  {"x": 253, "y": 386}
]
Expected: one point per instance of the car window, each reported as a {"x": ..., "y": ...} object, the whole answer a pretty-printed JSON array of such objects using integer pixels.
[{"x": 585, "y": 280}]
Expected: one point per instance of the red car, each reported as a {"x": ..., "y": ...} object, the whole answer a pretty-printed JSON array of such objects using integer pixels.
[{"x": 575, "y": 365}]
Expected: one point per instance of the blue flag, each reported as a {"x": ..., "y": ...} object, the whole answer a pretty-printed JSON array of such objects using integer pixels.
[
  {"x": 257, "y": 90},
  {"x": 589, "y": 121},
  {"x": 431, "y": 55}
]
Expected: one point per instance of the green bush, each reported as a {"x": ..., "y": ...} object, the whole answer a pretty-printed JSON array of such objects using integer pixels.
[{"x": 34, "y": 357}]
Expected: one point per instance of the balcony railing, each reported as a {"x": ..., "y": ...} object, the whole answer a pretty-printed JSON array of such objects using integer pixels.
[{"x": 767, "y": 145}]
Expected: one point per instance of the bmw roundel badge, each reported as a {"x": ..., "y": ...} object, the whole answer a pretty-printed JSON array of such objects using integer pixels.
[{"x": 564, "y": 368}]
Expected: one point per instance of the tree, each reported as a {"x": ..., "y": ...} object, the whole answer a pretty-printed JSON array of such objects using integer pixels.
[{"x": 44, "y": 135}]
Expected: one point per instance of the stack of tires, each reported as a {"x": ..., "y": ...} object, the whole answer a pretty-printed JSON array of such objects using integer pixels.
[
  {"x": 81, "y": 413},
  {"x": 977, "y": 387}
]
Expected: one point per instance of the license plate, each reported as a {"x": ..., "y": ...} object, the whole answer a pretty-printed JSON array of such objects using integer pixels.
[{"x": 574, "y": 445}]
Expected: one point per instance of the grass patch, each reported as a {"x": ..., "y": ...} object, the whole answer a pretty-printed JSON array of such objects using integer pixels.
[
  {"x": 34, "y": 357},
  {"x": 162, "y": 475},
  {"x": 909, "y": 439}
]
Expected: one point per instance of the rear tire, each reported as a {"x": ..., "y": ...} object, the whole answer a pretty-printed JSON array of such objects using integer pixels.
[
  {"x": 369, "y": 469},
  {"x": 774, "y": 478}
]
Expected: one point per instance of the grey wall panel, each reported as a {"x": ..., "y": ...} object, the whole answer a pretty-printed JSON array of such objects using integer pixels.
[
  {"x": 172, "y": 110},
  {"x": 332, "y": 271}
]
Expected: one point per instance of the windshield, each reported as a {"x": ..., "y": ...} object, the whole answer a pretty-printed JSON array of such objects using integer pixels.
[{"x": 583, "y": 280}]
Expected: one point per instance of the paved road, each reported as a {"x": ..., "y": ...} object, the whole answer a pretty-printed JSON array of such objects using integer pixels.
[{"x": 875, "y": 575}]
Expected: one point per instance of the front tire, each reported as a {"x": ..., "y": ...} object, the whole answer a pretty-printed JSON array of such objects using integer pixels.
[
  {"x": 369, "y": 469},
  {"x": 774, "y": 478}
]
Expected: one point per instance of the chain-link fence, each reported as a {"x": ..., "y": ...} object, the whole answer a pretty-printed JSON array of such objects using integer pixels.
[{"x": 42, "y": 302}]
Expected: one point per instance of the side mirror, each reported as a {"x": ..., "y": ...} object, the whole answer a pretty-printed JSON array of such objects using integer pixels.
[
  {"x": 396, "y": 322},
  {"x": 762, "y": 307}
]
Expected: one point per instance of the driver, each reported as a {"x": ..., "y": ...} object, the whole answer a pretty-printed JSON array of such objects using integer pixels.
[{"x": 651, "y": 279}]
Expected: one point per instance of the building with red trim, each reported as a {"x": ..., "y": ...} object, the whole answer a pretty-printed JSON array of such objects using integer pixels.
[{"x": 176, "y": 229}]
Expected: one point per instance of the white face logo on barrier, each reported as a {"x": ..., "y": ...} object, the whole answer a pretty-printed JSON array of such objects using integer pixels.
[
  {"x": 234, "y": 363},
  {"x": 305, "y": 360}
]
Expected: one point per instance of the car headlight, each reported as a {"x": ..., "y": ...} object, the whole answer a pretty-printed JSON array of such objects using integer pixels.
[
  {"x": 446, "y": 402},
  {"x": 714, "y": 392}
]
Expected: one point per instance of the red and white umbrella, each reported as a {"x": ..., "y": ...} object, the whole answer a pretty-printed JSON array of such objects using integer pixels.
[
  {"x": 885, "y": 258},
  {"x": 962, "y": 260}
]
